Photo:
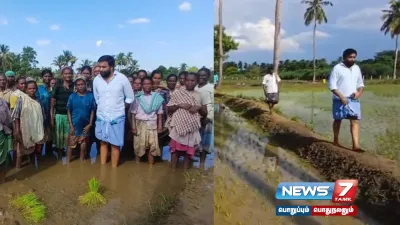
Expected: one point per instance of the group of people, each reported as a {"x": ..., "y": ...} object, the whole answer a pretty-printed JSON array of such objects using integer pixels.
[{"x": 138, "y": 113}]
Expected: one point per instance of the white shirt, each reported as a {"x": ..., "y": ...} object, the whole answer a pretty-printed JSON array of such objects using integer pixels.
[
  {"x": 111, "y": 97},
  {"x": 271, "y": 83},
  {"x": 207, "y": 96},
  {"x": 346, "y": 80}
]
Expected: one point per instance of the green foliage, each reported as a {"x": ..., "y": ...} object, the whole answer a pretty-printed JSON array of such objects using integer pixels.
[
  {"x": 228, "y": 44},
  {"x": 30, "y": 206},
  {"x": 93, "y": 197},
  {"x": 391, "y": 19},
  {"x": 380, "y": 65}
]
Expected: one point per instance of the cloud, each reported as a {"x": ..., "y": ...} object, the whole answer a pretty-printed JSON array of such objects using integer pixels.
[
  {"x": 260, "y": 36},
  {"x": 99, "y": 43},
  {"x": 139, "y": 20},
  {"x": 55, "y": 27},
  {"x": 32, "y": 20},
  {"x": 364, "y": 19},
  {"x": 43, "y": 43},
  {"x": 3, "y": 21},
  {"x": 185, "y": 7},
  {"x": 121, "y": 26}
]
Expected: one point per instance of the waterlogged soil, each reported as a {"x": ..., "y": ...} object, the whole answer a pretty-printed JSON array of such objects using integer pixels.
[
  {"x": 135, "y": 193},
  {"x": 248, "y": 170},
  {"x": 379, "y": 115},
  {"x": 379, "y": 181}
]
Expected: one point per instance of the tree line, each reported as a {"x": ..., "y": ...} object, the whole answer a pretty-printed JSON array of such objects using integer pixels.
[
  {"x": 26, "y": 63},
  {"x": 314, "y": 16},
  {"x": 380, "y": 65}
]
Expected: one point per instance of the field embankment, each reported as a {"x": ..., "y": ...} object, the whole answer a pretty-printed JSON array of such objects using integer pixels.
[{"x": 379, "y": 178}]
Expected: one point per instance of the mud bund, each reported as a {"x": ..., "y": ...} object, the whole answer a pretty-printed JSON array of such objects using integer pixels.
[{"x": 379, "y": 182}]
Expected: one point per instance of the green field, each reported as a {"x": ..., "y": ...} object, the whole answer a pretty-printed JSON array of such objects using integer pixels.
[{"x": 311, "y": 104}]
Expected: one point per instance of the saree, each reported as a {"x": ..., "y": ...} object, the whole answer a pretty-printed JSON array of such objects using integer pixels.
[{"x": 6, "y": 143}]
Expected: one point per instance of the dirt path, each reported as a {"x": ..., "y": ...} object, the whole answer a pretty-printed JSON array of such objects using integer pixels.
[{"x": 379, "y": 191}]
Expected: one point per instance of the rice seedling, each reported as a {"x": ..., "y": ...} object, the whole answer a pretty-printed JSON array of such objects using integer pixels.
[
  {"x": 32, "y": 209},
  {"x": 93, "y": 197}
]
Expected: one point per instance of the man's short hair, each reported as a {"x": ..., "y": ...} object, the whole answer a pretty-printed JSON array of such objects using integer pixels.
[
  {"x": 109, "y": 59},
  {"x": 349, "y": 52}
]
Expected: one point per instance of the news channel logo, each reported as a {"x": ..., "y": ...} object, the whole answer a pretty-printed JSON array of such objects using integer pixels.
[{"x": 338, "y": 192}]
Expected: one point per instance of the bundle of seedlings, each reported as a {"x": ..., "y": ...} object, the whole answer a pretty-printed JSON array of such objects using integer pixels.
[
  {"x": 32, "y": 209},
  {"x": 93, "y": 197}
]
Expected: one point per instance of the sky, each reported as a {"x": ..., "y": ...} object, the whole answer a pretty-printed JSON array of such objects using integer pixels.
[
  {"x": 350, "y": 25},
  {"x": 158, "y": 32}
]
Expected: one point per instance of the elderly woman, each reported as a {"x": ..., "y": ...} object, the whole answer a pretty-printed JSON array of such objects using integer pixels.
[{"x": 6, "y": 143}]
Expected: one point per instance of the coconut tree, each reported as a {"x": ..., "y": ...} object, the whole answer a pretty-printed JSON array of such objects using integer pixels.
[
  {"x": 277, "y": 35},
  {"x": 221, "y": 49},
  {"x": 59, "y": 61},
  {"x": 315, "y": 14},
  {"x": 5, "y": 56},
  {"x": 391, "y": 24}
]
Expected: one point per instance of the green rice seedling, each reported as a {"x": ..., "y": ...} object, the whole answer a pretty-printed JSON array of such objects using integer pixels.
[
  {"x": 93, "y": 197},
  {"x": 30, "y": 206}
]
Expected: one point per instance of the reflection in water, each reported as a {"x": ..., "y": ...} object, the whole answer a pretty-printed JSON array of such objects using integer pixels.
[{"x": 260, "y": 164}]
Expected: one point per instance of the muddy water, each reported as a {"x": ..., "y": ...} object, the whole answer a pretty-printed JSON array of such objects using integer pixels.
[
  {"x": 314, "y": 108},
  {"x": 263, "y": 165},
  {"x": 133, "y": 190}
]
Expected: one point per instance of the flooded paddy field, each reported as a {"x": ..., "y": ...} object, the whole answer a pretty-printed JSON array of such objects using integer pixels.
[
  {"x": 249, "y": 167},
  {"x": 136, "y": 193},
  {"x": 311, "y": 104}
]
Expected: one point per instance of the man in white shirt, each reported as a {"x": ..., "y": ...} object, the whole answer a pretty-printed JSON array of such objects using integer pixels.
[
  {"x": 346, "y": 84},
  {"x": 271, "y": 89},
  {"x": 206, "y": 90},
  {"x": 112, "y": 92}
]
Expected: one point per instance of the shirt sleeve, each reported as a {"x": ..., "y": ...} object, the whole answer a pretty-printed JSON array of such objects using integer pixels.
[
  {"x": 69, "y": 103},
  {"x": 54, "y": 91},
  {"x": 128, "y": 92},
  {"x": 133, "y": 107},
  {"x": 93, "y": 105},
  {"x": 264, "y": 82},
  {"x": 360, "y": 81},
  {"x": 94, "y": 90},
  {"x": 333, "y": 79},
  {"x": 278, "y": 79},
  {"x": 13, "y": 101},
  {"x": 17, "y": 110},
  {"x": 160, "y": 110},
  {"x": 172, "y": 101}
]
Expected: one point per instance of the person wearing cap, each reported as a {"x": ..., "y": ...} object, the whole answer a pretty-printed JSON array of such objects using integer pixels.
[{"x": 11, "y": 80}]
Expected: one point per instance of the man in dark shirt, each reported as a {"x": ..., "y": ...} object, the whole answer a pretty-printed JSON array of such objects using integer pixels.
[{"x": 59, "y": 119}]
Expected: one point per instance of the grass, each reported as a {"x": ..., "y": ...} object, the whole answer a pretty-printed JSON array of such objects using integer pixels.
[
  {"x": 93, "y": 197},
  {"x": 33, "y": 210}
]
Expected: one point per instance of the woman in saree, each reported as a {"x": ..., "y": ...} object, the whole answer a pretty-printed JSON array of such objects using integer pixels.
[
  {"x": 29, "y": 120},
  {"x": 6, "y": 143},
  {"x": 187, "y": 108}
]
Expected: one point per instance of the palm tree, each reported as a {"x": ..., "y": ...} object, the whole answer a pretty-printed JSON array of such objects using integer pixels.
[
  {"x": 315, "y": 13},
  {"x": 5, "y": 56},
  {"x": 183, "y": 67},
  {"x": 221, "y": 50},
  {"x": 59, "y": 61},
  {"x": 120, "y": 60},
  {"x": 391, "y": 24},
  {"x": 277, "y": 35}
]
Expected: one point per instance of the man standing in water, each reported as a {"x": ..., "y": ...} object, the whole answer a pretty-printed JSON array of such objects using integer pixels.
[
  {"x": 271, "y": 89},
  {"x": 346, "y": 84},
  {"x": 112, "y": 91}
]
